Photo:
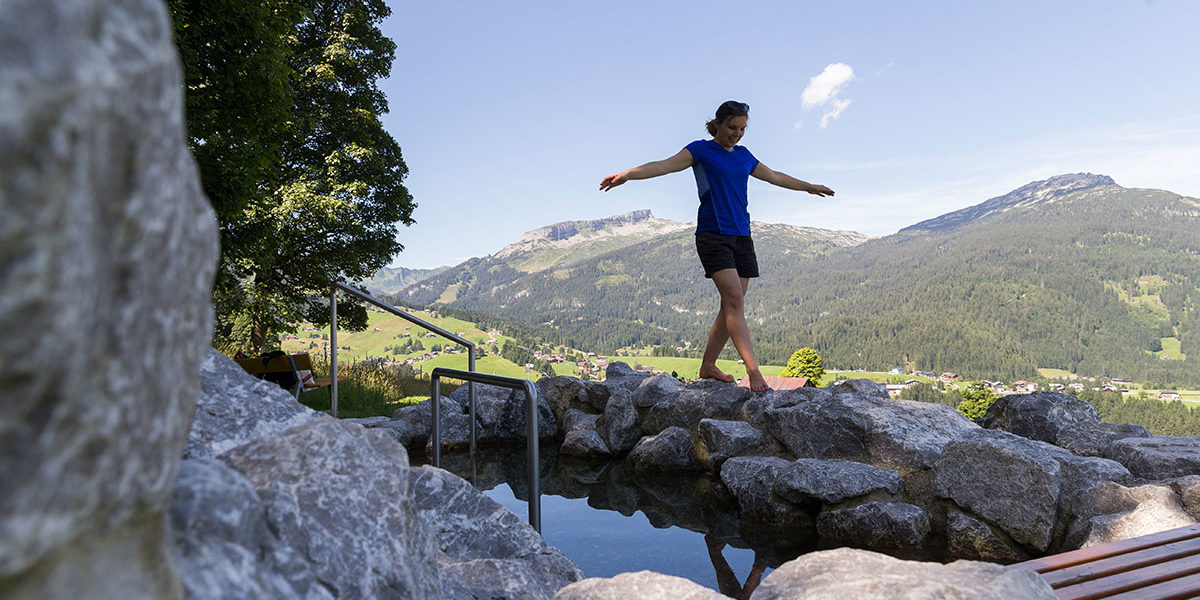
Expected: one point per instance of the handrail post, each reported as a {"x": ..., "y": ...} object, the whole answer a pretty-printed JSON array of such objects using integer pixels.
[
  {"x": 436, "y": 436},
  {"x": 532, "y": 457},
  {"x": 531, "y": 427},
  {"x": 333, "y": 391},
  {"x": 471, "y": 396}
]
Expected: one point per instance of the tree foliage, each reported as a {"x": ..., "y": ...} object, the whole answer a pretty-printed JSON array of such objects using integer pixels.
[
  {"x": 805, "y": 362},
  {"x": 976, "y": 400},
  {"x": 283, "y": 117}
]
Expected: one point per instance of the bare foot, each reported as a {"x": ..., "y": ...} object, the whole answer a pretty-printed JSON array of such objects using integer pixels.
[
  {"x": 757, "y": 383},
  {"x": 714, "y": 373}
]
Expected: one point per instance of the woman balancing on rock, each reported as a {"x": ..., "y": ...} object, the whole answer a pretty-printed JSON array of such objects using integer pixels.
[{"x": 722, "y": 169}]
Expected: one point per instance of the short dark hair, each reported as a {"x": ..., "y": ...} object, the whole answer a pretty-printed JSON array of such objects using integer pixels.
[{"x": 728, "y": 108}]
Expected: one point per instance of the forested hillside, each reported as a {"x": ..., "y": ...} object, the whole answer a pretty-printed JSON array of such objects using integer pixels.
[{"x": 1073, "y": 273}]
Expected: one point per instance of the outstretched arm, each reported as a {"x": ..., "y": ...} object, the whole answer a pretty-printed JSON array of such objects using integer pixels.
[
  {"x": 676, "y": 163},
  {"x": 784, "y": 180}
]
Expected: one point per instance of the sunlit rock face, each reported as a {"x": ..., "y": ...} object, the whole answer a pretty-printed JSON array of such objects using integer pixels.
[{"x": 107, "y": 252}]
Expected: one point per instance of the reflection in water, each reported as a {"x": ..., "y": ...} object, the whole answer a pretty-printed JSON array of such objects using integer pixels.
[
  {"x": 727, "y": 581},
  {"x": 696, "y": 503}
]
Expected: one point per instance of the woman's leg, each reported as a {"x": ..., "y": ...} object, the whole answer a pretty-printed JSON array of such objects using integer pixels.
[{"x": 731, "y": 323}]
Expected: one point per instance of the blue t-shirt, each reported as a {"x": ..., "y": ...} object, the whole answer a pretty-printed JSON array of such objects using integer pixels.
[{"x": 721, "y": 177}]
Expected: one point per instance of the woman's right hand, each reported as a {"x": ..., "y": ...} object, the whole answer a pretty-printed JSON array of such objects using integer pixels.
[{"x": 612, "y": 181}]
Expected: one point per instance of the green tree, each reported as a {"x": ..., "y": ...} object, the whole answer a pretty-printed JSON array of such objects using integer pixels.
[
  {"x": 283, "y": 117},
  {"x": 805, "y": 362},
  {"x": 977, "y": 398}
]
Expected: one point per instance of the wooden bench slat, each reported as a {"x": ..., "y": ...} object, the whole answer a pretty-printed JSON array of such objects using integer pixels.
[
  {"x": 1083, "y": 555},
  {"x": 1176, "y": 589},
  {"x": 1105, "y": 587},
  {"x": 1122, "y": 562}
]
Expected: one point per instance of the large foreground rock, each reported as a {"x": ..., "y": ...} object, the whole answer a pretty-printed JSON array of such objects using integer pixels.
[
  {"x": 643, "y": 585},
  {"x": 225, "y": 546},
  {"x": 107, "y": 252},
  {"x": 360, "y": 534},
  {"x": 863, "y": 575},
  {"x": 485, "y": 550}
]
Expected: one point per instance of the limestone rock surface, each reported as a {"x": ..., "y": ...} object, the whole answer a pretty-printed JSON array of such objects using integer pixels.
[
  {"x": 1158, "y": 457},
  {"x": 833, "y": 481},
  {"x": 360, "y": 534},
  {"x": 704, "y": 399},
  {"x": 234, "y": 407},
  {"x": 1006, "y": 480},
  {"x": 870, "y": 429},
  {"x": 876, "y": 525},
  {"x": 1059, "y": 419},
  {"x": 619, "y": 425},
  {"x": 107, "y": 253},
  {"x": 671, "y": 450},
  {"x": 485, "y": 548},
  {"x": 725, "y": 439}
]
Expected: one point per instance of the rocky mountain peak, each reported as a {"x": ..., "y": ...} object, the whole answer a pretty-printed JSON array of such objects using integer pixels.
[
  {"x": 568, "y": 233},
  {"x": 1038, "y": 192}
]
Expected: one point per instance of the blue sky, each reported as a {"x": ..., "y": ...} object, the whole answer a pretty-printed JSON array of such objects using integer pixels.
[{"x": 510, "y": 113}]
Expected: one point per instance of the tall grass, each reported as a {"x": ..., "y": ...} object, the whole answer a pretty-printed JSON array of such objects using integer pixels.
[{"x": 370, "y": 390}]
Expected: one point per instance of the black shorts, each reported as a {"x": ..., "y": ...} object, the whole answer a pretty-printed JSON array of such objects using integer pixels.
[{"x": 719, "y": 251}]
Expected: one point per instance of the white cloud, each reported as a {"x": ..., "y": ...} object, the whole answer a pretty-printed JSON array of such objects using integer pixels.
[
  {"x": 838, "y": 106},
  {"x": 824, "y": 91}
]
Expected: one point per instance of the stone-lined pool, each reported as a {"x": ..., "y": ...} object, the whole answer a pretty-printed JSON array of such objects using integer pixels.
[{"x": 611, "y": 519}]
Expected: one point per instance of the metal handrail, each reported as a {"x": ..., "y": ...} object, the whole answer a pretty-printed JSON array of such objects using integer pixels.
[
  {"x": 531, "y": 427},
  {"x": 333, "y": 390}
]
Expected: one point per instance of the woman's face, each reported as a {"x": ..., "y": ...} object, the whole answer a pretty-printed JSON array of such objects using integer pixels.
[{"x": 730, "y": 131}]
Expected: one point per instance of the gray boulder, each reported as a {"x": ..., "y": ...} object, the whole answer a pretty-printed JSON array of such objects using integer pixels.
[
  {"x": 643, "y": 585},
  {"x": 575, "y": 419},
  {"x": 860, "y": 387},
  {"x": 584, "y": 443},
  {"x": 360, "y": 536},
  {"x": 833, "y": 481},
  {"x": 619, "y": 375},
  {"x": 417, "y": 422},
  {"x": 751, "y": 479},
  {"x": 704, "y": 399},
  {"x": 671, "y": 450},
  {"x": 870, "y": 429},
  {"x": 1007, "y": 480},
  {"x": 563, "y": 393},
  {"x": 1059, "y": 419},
  {"x": 864, "y": 575},
  {"x": 1188, "y": 489},
  {"x": 655, "y": 389},
  {"x": 1123, "y": 513},
  {"x": 1158, "y": 457},
  {"x": 1095, "y": 439},
  {"x": 500, "y": 413},
  {"x": 876, "y": 525},
  {"x": 234, "y": 408},
  {"x": 485, "y": 548},
  {"x": 970, "y": 538},
  {"x": 725, "y": 439},
  {"x": 224, "y": 546},
  {"x": 107, "y": 254},
  {"x": 619, "y": 424}
]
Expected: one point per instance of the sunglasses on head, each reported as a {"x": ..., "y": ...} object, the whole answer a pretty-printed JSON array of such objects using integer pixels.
[{"x": 736, "y": 106}]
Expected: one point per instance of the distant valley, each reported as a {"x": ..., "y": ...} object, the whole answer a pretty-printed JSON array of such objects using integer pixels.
[{"x": 1073, "y": 273}]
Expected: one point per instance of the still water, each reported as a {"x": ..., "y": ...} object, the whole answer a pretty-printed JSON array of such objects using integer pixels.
[{"x": 610, "y": 519}]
